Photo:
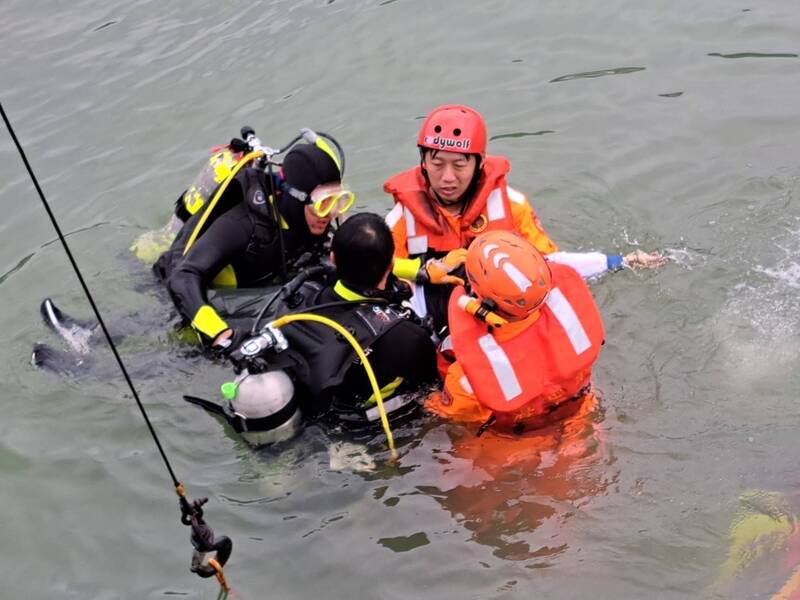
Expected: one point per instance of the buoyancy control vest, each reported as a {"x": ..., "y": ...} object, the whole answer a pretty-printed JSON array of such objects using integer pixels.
[
  {"x": 327, "y": 356},
  {"x": 252, "y": 192}
]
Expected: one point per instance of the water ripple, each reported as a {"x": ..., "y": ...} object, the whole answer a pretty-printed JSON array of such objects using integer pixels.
[
  {"x": 754, "y": 55},
  {"x": 519, "y": 134},
  {"x": 600, "y": 73}
]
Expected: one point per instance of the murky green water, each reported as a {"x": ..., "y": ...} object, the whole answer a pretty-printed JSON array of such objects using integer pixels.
[{"x": 672, "y": 125}]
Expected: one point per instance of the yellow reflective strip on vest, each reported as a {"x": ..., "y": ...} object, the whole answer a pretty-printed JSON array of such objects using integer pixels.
[
  {"x": 501, "y": 367},
  {"x": 225, "y": 278},
  {"x": 386, "y": 390},
  {"x": 208, "y": 322},
  {"x": 346, "y": 293},
  {"x": 407, "y": 268}
]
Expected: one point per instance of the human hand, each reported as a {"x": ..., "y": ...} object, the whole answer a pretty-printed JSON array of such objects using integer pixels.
[
  {"x": 638, "y": 259},
  {"x": 223, "y": 343},
  {"x": 437, "y": 270}
]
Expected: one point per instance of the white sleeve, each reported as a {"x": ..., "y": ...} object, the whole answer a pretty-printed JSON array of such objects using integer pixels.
[
  {"x": 587, "y": 264},
  {"x": 417, "y": 300}
]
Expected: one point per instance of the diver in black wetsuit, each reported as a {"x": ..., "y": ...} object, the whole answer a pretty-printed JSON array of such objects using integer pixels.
[
  {"x": 366, "y": 299},
  {"x": 242, "y": 247},
  {"x": 325, "y": 377}
]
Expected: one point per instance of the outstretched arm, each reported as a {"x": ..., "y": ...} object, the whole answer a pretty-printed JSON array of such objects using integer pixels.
[{"x": 592, "y": 264}]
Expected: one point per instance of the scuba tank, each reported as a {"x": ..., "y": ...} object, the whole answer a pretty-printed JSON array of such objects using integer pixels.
[{"x": 217, "y": 169}]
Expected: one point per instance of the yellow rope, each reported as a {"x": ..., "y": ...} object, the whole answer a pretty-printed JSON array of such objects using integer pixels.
[
  {"x": 285, "y": 320},
  {"x": 224, "y": 186}
]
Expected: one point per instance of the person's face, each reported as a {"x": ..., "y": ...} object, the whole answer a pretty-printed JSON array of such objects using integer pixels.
[
  {"x": 450, "y": 173},
  {"x": 316, "y": 225}
]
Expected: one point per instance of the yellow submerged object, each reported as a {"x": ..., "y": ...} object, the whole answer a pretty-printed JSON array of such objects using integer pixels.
[{"x": 761, "y": 528}]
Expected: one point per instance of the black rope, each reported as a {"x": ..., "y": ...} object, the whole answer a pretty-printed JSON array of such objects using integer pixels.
[{"x": 89, "y": 297}]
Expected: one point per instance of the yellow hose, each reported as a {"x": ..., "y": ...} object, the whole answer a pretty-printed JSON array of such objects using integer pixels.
[
  {"x": 285, "y": 320},
  {"x": 224, "y": 186}
]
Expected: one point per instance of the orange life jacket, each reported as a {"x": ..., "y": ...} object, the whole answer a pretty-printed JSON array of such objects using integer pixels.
[
  {"x": 428, "y": 230},
  {"x": 546, "y": 364}
]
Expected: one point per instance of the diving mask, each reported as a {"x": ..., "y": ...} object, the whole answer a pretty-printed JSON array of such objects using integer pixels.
[{"x": 327, "y": 202}]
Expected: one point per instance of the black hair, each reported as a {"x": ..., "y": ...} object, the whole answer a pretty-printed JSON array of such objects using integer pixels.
[{"x": 363, "y": 249}]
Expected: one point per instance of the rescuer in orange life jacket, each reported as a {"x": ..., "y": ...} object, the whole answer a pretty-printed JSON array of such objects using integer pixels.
[
  {"x": 458, "y": 192},
  {"x": 525, "y": 334}
]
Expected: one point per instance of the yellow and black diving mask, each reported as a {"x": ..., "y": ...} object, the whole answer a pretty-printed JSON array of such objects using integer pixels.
[{"x": 331, "y": 201}]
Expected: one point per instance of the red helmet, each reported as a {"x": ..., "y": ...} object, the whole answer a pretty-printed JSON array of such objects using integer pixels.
[
  {"x": 454, "y": 128},
  {"x": 505, "y": 268}
]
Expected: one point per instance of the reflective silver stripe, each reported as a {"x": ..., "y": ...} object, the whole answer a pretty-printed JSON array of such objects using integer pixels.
[
  {"x": 418, "y": 244},
  {"x": 498, "y": 257},
  {"x": 374, "y": 413},
  {"x": 465, "y": 384},
  {"x": 515, "y": 196},
  {"x": 411, "y": 224},
  {"x": 494, "y": 205},
  {"x": 487, "y": 249},
  {"x": 563, "y": 311},
  {"x": 417, "y": 301},
  {"x": 394, "y": 215},
  {"x": 501, "y": 367},
  {"x": 516, "y": 276},
  {"x": 447, "y": 344}
]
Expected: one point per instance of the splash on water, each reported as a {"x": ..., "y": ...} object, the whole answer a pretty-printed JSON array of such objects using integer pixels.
[
  {"x": 685, "y": 257},
  {"x": 759, "y": 324}
]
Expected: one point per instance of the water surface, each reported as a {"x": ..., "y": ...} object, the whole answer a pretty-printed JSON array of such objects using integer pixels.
[{"x": 671, "y": 125}]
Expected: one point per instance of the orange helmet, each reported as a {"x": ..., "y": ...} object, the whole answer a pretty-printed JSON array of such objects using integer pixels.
[
  {"x": 454, "y": 128},
  {"x": 509, "y": 271}
]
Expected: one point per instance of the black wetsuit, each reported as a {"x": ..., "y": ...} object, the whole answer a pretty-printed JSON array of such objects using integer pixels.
[
  {"x": 243, "y": 240},
  {"x": 332, "y": 378},
  {"x": 405, "y": 350}
]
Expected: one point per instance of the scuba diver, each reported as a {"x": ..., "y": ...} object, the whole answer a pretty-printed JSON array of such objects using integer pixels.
[
  {"x": 458, "y": 192},
  {"x": 304, "y": 370},
  {"x": 257, "y": 225},
  {"x": 328, "y": 379},
  {"x": 239, "y": 224},
  {"x": 525, "y": 333}
]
